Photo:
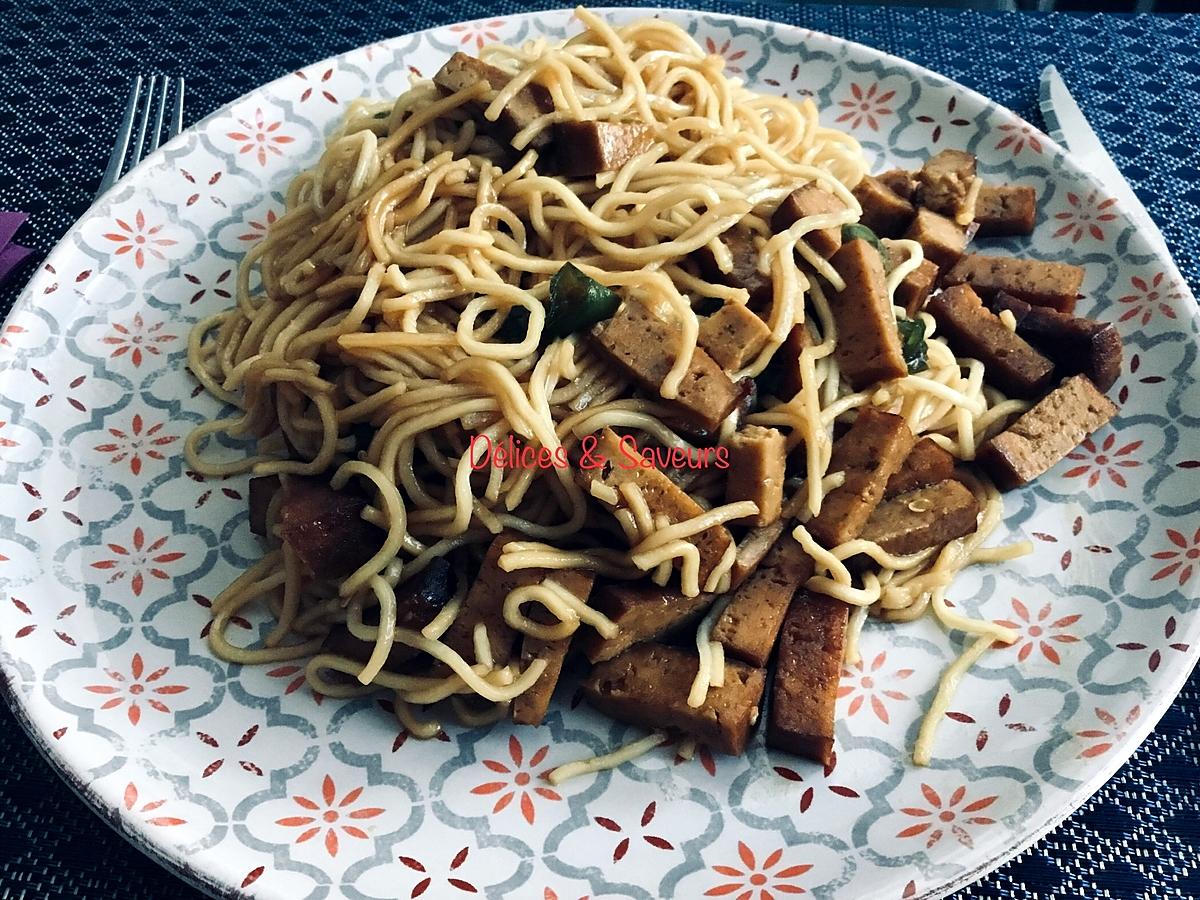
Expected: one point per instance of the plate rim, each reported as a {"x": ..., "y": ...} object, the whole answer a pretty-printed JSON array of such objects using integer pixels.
[{"x": 170, "y": 858}]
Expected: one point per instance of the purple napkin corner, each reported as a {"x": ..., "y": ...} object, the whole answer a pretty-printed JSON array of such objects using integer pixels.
[{"x": 11, "y": 255}]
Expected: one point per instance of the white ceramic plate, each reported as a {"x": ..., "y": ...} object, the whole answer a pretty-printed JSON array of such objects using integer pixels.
[{"x": 242, "y": 779}]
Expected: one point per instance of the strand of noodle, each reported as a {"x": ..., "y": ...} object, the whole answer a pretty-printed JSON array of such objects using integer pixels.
[
  {"x": 604, "y": 762},
  {"x": 393, "y": 507},
  {"x": 712, "y": 518},
  {"x": 422, "y": 731},
  {"x": 947, "y": 687},
  {"x": 386, "y": 632},
  {"x": 291, "y": 598},
  {"x": 854, "y": 626},
  {"x": 704, "y": 670}
]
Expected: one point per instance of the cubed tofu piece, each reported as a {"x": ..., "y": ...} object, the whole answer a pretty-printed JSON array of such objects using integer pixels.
[
  {"x": 974, "y": 331},
  {"x": 783, "y": 374},
  {"x": 642, "y": 611},
  {"x": 588, "y": 148},
  {"x": 900, "y": 181},
  {"x": 743, "y": 252},
  {"x": 869, "y": 454},
  {"x": 927, "y": 517},
  {"x": 926, "y": 463},
  {"x": 1036, "y": 281},
  {"x": 749, "y": 626},
  {"x": 807, "y": 669},
  {"x": 943, "y": 241},
  {"x": 868, "y": 345},
  {"x": 915, "y": 287},
  {"x": 811, "y": 200},
  {"x": 733, "y": 336},
  {"x": 883, "y": 210},
  {"x": 325, "y": 527},
  {"x": 644, "y": 346},
  {"x": 531, "y": 102},
  {"x": 1004, "y": 210},
  {"x": 1077, "y": 345},
  {"x": 530, "y": 707},
  {"x": 648, "y": 685},
  {"x": 1046, "y": 433},
  {"x": 484, "y": 604},
  {"x": 757, "y": 457},
  {"x": 946, "y": 185}
]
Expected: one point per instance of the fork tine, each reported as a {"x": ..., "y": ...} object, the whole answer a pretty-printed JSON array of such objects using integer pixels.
[
  {"x": 144, "y": 120},
  {"x": 117, "y": 160},
  {"x": 176, "y": 125},
  {"x": 156, "y": 136}
]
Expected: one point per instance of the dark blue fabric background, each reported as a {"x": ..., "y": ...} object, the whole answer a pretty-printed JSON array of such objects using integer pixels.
[{"x": 64, "y": 72}]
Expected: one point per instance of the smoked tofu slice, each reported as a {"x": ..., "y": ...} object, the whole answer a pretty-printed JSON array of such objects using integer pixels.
[
  {"x": 733, "y": 335},
  {"x": 785, "y": 363},
  {"x": 915, "y": 287},
  {"x": 743, "y": 252},
  {"x": 868, "y": 345},
  {"x": 869, "y": 454},
  {"x": 1077, "y": 345},
  {"x": 943, "y": 240},
  {"x": 484, "y": 604},
  {"x": 1004, "y": 210},
  {"x": 901, "y": 181},
  {"x": 643, "y": 345},
  {"x": 642, "y": 611},
  {"x": 648, "y": 685},
  {"x": 926, "y": 463},
  {"x": 757, "y": 457},
  {"x": 1046, "y": 433},
  {"x": 811, "y": 200},
  {"x": 662, "y": 495},
  {"x": 883, "y": 210},
  {"x": 750, "y": 623},
  {"x": 530, "y": 707},
  {"x": 1036, "y": 281},
  {"x": 927, "y": 517},
  {"x": 1010, "y": 362},
  {"x": 588, "y": 148},
  {"x": 946, "y": 185},
  {"x": 807, "y": 669},
  {"x": 531, "y": 102}
]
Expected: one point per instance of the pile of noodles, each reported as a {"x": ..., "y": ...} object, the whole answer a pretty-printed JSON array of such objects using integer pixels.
[{"x": 386, "y": 297}]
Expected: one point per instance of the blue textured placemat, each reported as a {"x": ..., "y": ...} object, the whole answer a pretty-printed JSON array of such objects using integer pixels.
[{"x": 64, "y": 71}]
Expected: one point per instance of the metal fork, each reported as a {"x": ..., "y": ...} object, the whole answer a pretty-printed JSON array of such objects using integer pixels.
[{"x": 150, "y": 114}]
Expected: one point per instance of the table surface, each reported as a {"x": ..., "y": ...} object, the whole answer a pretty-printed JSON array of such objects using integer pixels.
[{"x": 64, "y": 73}]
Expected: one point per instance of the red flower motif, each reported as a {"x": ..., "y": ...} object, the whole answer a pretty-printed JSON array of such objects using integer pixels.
[
  {"x": 460, "y": 884},
  {"x": 622, "y": 847},
  {"x": 1115, "y": 731},
  {"x": 137, "y": 442},
  {"x": 26, "y": 630},
  {"x": 957, "y": 122},
  {"x": 764, "y": 878},
  {"x": 1016, "y": 136},
  {"x": 517, "y": 779},
  {"x": 1076, "y": 528},
  {"x": 867, "y": 686},
  {"x": 1002, "y": 709},
  {"x": 131, "y": 798},
  {"x": 209, "y": 182},
  {"x": 138, "y": 239},
  {"x": 1149, "y": 296},
  {"x": 866, "y": 106},
  {"x": 41, "y": 510},
  {"x": 260, "y": 137},
  {"x": 135, "y": 338},
  {"x": 330, "y": 816},
  {"x": 942, "y": 815},
  {"x": 806, "y": 798},
  {"x": 723, "y": 50},
  {"x": 308, "y": 90},
  {"x": 1156, "y": 655},
  {"x": 258, "y": 230},
  {"x": 1102, "y": 461},
  {"x": 479, "y": 32},
  {"x": 1083, "y": 215},
  {"x": 135, "y": 690},
  {"x": 1182, "y": 559},
  {"x": 215, "y": 765},
  {"x": 138, "y": 558},
  {"x": 1038, "y": 632},
  {"x": 72, "y": 385},
  {"x": 221, "y": 292}
]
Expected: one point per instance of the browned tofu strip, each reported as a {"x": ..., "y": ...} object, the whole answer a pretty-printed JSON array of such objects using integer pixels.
[
  {"x": 325, "y": 527},
  {"x": 733, "y": 335},
  {"x": 1077, "y": 345},
  {"x": 974, "y": 331},
  {"x": 810, "y": 200},
  {"x": 663, "y": 497},
  {"x": 744, "y": 273},
  {"x": 754, "y": 547},
  {"x": 927, "y": 517},
  {"x": 1042, "y": 283},
  {"x": 869, "y": 453},
  {"x": 643, "y": 345},
  {"x": 484, "y": 603},
  {"x": 901, "y": 181},
  {"x": 750, "y": 623},
  {"x": 926, "y": 463},
  {"x": 757, "y": 457},
  {"x": 913, "y": 290},
  {"x": 262, "y": 490},
  {"x": 868, "y": 345},
  {"x": 642, "y": 612},
  {"x": 942, "y": 240},
  {"x": 883, "y": 210},
  {"x": 1005, "y": 209},
  {"x": 1046, "y": 433},
  {"x": 807, "y": 669},
  {"x": 944, "y": 184},
  {"x": 648, "y": 685},
  {"x": 530, "y": 707},
  {"x": 588, "y": 148},
  {"x": 785, "y": 363},
  {"x": 532, "y": 101}
]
